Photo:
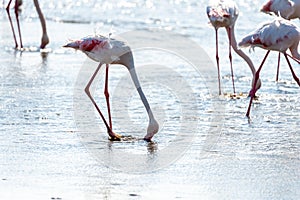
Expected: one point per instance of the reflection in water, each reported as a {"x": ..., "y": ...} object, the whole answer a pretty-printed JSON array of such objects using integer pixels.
[{"x": 152, "y": 147}]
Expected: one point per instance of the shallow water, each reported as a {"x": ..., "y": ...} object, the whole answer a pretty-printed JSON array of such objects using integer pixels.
[{"x": 53, "y": 144}]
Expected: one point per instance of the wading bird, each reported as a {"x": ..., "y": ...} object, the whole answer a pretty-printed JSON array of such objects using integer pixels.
[
  {"x": 45, "y": 38},
  {"x": 278, "y": 35},
  {"x": 111, "y": 51},
  {"x": 224, "y": 13},
  {"x": 287, "y": 9}
]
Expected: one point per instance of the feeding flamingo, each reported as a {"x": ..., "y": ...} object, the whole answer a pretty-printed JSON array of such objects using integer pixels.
[
  {"x": 278, "y": 35},
  {"x": 111, "y": 51},
  {"x": 287, "y": 9},
  {"x": 224, "y": 13},
  {"x": 45, "y": 38}
]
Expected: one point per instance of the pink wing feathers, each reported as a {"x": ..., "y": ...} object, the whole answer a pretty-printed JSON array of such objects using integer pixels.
[
  {"x": 283, "y": 8},
  {"x": 89, "y": 43},
  {"x": 278, "y": 35}
]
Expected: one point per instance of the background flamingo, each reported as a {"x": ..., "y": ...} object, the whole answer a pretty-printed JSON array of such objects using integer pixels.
[
  {"x": 223, "y": 13},
  {"x": 110, "y": 51},
  {"x": 278, "y": 35},
  {"x": 45, "y": 38},
  {"x": 288, "y": 9}
]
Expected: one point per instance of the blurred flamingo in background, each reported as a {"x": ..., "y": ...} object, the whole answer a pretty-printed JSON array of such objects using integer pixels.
[
  {"x": 278, "y": 35},
  {"x": 224, "y": 13},
  {"x": 110, "y": 51},
  {"x": 287, "y": 9},
  {"x": 45, "y": 38}
]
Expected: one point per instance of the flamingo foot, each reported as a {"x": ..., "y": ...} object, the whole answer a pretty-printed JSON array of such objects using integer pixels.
[
  {"x": 44, "y": 41},
  {"x": 114, "y": 137},
  {"x": 147, "y": 139},
  {"x": 252, "y": 93}
]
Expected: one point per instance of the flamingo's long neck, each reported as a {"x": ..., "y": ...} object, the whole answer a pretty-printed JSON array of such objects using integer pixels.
[
  {"x": 153, "y": 127},
  {"x": 141, "y": 93},
  {"x": 41, "y": 16},
  {"x": 294, "y": 51},
  {"x": 127, "y": 60},
  {"x": 239, "y": 51},
  {"x": 45, "y": 38}
]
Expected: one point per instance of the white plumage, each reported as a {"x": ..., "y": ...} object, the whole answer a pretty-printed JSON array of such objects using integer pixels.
[
  {"x": 288, "y": 9},
  {"x": 278, "y": 35}
]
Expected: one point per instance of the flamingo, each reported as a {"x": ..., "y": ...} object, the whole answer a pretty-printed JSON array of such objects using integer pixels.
[
  {"x": 287, "y": 9},
  {"x": 224, "y": 13},
  {"x": 111, "y": 51},
  {"x": 278, "y": 35},
  {"x": 45, "y": 38}
]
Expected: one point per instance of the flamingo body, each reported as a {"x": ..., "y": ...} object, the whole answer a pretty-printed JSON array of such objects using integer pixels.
[
  {"x": 278, "y": 35},
  {"x": 222, "y": 13},
  {"x": 100, "y": 48},
  {"x": 288, "y": 9},
  {"x": 111, "y": 51}
]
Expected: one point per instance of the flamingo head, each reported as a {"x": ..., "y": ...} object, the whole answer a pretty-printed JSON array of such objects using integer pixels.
[{"x": 153, "y": 128}]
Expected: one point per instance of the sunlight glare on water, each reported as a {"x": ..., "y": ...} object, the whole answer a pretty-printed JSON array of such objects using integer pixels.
[{"x": 45, "y": 154}]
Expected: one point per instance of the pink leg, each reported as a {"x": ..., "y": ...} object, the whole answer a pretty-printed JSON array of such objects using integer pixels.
[
  {"x": 253, "y": 91},
  {"x": 11, "y": 24},
  {"x": 295, "y": 59},
  {"x": 278, "y": 67},
  {"x": 18, "y": 23},
  {"x": 230, "y": 57},
  {"x": 112, "y": 135},
  {"x": 107, "y": 96},
  {"x": 293, "y": 73},
  {"x": 217, "y": 59}
]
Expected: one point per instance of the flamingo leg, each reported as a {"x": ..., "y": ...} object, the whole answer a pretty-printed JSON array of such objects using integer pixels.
[
  {"x": 106, "y": 93},
  {"x": 293, "y": 73},
  {"x": 112, "y": 135},
  {"x": 253, "y": 91},
  {"x": 230, "y": 57},
  {"x": 295, "y": 59},
  {"x": 218, "y": 62},
  {"x": 45, "y": 38},
  {"x": 18, "y": 23},
  {"x": 277, "y": 74},
  {"x": 11, "y": 24}
]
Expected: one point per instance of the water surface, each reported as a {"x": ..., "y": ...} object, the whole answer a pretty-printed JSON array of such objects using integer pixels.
[{"x": 46, "y": 154}]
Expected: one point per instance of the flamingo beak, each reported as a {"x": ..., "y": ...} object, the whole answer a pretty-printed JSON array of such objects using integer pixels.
[{"x": 74, "y": 45}]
